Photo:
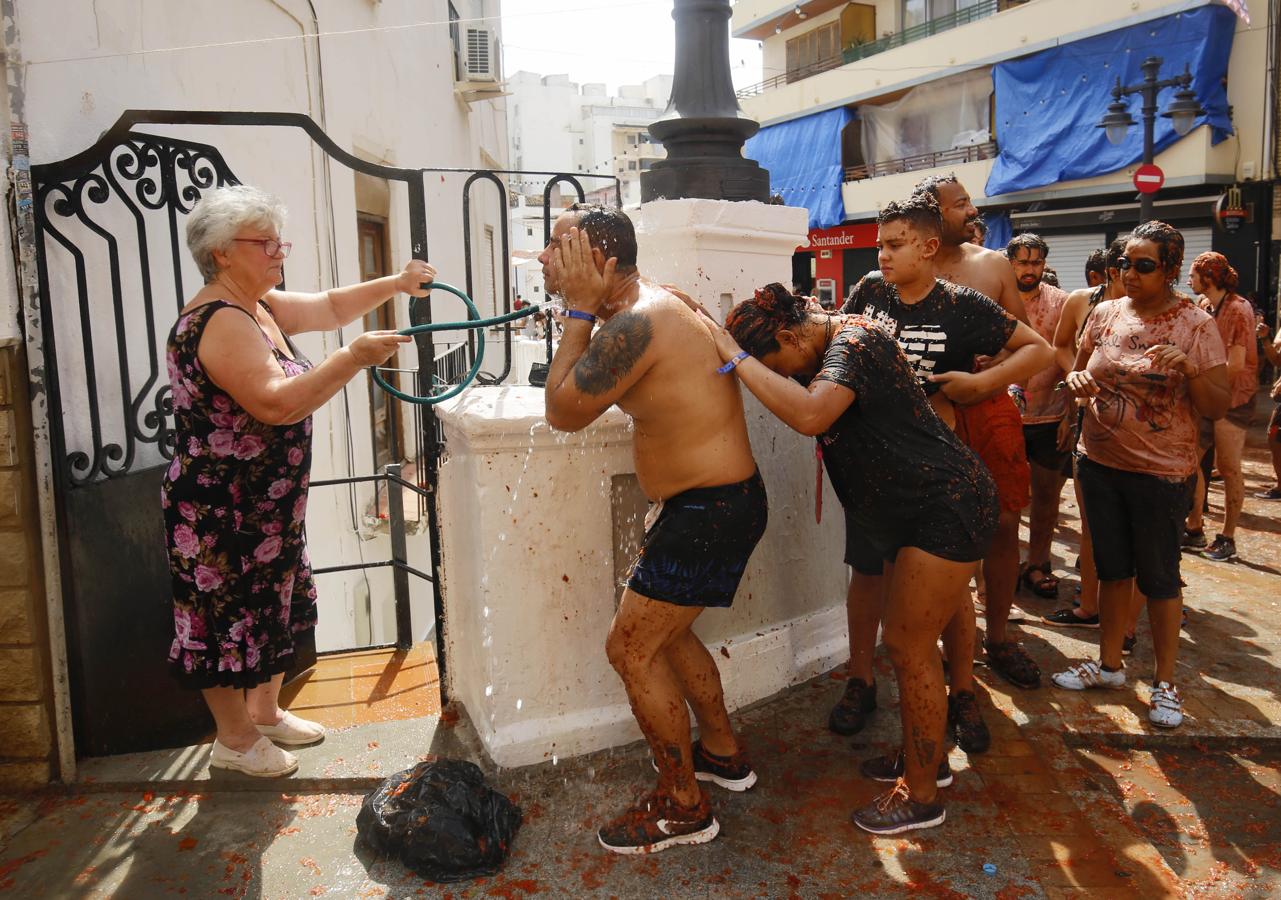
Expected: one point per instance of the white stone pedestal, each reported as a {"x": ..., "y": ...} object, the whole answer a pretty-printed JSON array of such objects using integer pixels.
[{"x": 530, "y": 519}]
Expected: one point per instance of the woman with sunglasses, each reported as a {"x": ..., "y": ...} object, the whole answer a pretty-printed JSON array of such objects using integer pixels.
[
  {"x": 1149, "y": 365},
  {"x": 235, "y": 494}
]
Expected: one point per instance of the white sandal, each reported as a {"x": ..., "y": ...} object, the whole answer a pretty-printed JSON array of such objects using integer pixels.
[
  {"x": 263, "y": 760},
  {"x": 293, "y": 731}
]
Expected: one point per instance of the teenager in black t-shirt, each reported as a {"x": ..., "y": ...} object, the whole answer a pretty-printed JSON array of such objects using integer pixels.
[
  {"x": 924, "y": 501},
  {"x": 941, "y": 328}
]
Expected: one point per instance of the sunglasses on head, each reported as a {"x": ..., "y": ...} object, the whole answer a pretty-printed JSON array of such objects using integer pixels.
[{"x": 1142, "y": 266}]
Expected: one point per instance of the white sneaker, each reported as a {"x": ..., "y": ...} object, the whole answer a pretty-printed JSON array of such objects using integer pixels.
[
  {"x": 293, "y": 731},
  {"x": 263, "y": 760},
  {"x": 1089, "y": 675},
  {"x": 1166, "y": 710}
]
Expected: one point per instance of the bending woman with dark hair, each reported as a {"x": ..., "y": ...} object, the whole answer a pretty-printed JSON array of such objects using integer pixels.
[
  {"x": 921, "y": 499},
  {"x": 1149, "y": 364}
]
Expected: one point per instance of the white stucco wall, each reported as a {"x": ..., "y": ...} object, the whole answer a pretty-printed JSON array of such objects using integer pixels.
[{"x": 377, "y": 87}]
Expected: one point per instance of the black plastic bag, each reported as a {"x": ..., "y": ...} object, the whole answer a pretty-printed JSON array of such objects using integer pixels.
[{"x": 441, "y": 820}]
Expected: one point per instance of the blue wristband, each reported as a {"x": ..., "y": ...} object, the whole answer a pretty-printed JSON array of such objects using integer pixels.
[
  {"x": 733, "y": 363},
  {"x": 578, "y": 314}
]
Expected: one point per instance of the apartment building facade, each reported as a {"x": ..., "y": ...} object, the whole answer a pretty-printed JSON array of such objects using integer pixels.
[
  {"x": 559, "y": 125},
  {"x": 859, "y": 101}
]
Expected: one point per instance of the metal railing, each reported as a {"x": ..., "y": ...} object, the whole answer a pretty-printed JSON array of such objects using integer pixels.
[
  {"x": 972, "y": 153},
  {"x": 399, "y": 562},
  {"x": 452, "y": 364},
  {"x": 938, "y": 25}
]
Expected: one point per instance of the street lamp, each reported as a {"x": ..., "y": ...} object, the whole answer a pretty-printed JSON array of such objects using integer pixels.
[{"x": 1182, "y": 113}]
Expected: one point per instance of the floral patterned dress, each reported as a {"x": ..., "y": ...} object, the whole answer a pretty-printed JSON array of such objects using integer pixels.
[{"x": 234, "y": 501}]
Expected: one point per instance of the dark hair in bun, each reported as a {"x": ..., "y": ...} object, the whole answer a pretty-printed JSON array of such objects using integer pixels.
[{"x": 755, "y": 323}]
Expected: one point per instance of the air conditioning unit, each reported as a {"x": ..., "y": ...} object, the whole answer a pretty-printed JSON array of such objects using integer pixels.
[{"x": 480, "y": 61}]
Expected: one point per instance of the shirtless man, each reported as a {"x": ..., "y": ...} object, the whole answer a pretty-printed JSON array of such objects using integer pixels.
[
  {"x": 656, "y": 361},
  {"x": 1046, "y": 408},
  {"x": 991, "y": 426}
]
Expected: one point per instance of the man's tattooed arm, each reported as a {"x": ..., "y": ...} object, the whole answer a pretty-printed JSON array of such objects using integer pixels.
[{"x": 613, "y": 352}]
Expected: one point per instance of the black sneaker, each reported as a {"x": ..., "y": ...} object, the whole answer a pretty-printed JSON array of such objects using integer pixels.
[
  {"x": 890, "y": 768},
  {"x": 1192, "y": 540},
  {"x": 1272, "y": 493},
  {"x": 657, "y": 823},
  {"x": 734, "y": 773},
  {"x": 1127, "y": 647},
  {"x": 965, "y": 723},
  {"x": 1224, "y": 549},
  {"x": 895, "y": 812},
  {"x": 1066, "y": 618},
  {"x": 850, "y": 713}
]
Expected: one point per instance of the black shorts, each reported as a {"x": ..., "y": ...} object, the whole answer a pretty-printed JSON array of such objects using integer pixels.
[
  {"x": 696, "y": 549},
  {"x": 1242, "y": 416},
  {"x": 1042, "y": 443},
  {"x": 1136, "y": 524},
  {"x": 1274, "y": 425},
  {"x": 960, "y": 532}
]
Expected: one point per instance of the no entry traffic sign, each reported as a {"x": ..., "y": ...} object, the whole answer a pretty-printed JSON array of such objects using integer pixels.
[{"x": 1148, "y": 179}]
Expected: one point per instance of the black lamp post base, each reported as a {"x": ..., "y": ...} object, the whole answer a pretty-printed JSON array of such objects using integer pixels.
[{"x": 705, "y": 161}]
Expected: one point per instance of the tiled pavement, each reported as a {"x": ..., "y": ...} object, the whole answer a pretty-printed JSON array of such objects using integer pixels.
[{"x": 1077, "y": 798}]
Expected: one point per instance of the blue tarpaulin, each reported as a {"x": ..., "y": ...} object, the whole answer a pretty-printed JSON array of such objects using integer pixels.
[
  {"x": 1049, "y": 104},
  {"x": 804, "y": 161},
  {"x": 999, "y": 231}
]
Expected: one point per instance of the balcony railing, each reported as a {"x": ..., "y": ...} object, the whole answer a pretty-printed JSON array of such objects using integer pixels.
[
  {"x": 926, "y": 29},
  {"x": 964, "y": 16},
  {"x": 972, "y": 153}
]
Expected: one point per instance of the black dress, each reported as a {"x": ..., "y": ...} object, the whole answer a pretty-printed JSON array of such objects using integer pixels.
[{"x": 235, "y": 501}]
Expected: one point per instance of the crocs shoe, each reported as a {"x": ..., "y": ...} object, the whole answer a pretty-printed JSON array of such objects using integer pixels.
[
  {"x": 965, "y": 723},
  {"x": 1089, "y": 675},
  {"x": 263, "y": 760},
  {"x": 1011, "y": 662},
  {"x": 850, "y": 713},
  {"x": 657, "y": 823},
  {"x": 293, "y": 731},
  {"x": 895, "y": 812},
  {"x": 1165, "y": 708}
]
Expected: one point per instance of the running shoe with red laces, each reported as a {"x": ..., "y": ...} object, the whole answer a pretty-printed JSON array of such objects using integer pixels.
[
  {"x": 895, "y": 812},
  {"x": 656, "y": 823}
]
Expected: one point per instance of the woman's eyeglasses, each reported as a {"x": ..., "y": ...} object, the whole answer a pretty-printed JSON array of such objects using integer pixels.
[
  {"x": 272, "y": 247},
  {"x": 1142, "y": 266}
]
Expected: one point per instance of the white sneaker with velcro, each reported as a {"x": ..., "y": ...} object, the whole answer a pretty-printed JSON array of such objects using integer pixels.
[
  {"x": 1089, "y": 675},
  {"x": 1166, "y": 706}
]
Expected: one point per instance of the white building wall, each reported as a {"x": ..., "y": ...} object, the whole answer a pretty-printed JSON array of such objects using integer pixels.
[{"x": 388, "y": 93}]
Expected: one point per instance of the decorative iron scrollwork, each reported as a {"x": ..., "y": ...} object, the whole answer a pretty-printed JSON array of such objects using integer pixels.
[{"x": 144, "y": 177}]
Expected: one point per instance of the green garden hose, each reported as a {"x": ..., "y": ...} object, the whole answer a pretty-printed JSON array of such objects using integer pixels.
[{"x": 474, "y": 322}]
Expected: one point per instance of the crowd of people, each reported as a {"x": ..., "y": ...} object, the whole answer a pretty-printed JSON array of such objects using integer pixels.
[{"x": 955, "y": 388}]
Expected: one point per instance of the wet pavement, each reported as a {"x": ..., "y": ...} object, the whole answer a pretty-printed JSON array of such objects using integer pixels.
[{"x": 1077, "y": 797}]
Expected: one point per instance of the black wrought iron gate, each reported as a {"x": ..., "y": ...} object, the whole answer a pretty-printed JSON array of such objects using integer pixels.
[{"x": 118, "y": 207}]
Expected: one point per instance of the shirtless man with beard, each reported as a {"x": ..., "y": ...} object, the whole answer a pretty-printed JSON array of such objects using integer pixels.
[{"x": 653, "y": 357}]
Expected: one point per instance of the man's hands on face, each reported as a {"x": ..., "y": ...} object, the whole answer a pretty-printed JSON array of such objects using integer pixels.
[{"x": 583, "y": 286}]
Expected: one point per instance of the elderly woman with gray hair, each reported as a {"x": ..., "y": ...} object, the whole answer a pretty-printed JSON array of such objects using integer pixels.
[{"x": 235, "y": 495}]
